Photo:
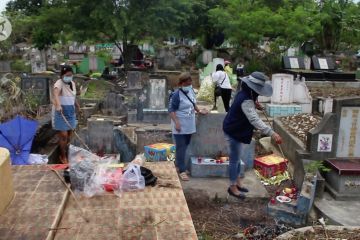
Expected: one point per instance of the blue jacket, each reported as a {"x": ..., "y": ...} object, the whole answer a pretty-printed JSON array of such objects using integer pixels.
[{"x": 236, "y": 124}]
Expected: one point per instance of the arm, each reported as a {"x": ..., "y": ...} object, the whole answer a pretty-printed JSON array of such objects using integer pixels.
[
  {"x": 248, "y": 108},
  {"x": 56, "y": 100},
  {"x": 173, "y": 106}
]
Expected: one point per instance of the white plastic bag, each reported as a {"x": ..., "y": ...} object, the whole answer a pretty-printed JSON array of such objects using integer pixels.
[
  {"x": 37, "y": 159},
  {"x": 132, "y": 179}
]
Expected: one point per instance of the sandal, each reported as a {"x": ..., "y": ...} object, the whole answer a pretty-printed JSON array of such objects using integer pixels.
[{"x": 184, "y": 177}]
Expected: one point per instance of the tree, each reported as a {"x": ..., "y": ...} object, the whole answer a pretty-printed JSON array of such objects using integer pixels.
[{"x": 127, "y": 20}]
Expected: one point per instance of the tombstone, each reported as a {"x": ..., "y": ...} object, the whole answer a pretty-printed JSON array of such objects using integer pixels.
[
  {"x": 167, "y": 60},
  {"x": 134, "y": 79},
  {"x": 101, "y": 135},
  {"x": 207, "y": 56},
  {"x": 209, "y": 139},
  {"x": 38, "y": 87},
  {"x": 114, "y": 104},
  {"x": 293, "y": 62},
  {"x": 156, "y": 101},
  {"x": 323, "y": 63}
]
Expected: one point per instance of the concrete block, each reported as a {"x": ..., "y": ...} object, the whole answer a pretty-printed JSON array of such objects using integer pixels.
[
  {"x": 156, "y": 116},
  {"x": 209, "y": 138},
  {"x": 6, "y": 182},
  {"x": 208, "y": 168},
  {"x": 286, "y": 214},
  {"x": 101, "y": 135},
  {"x": 124, "y": 145}
]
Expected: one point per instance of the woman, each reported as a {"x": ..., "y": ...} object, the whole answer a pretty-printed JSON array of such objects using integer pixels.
[
  {"x": 222, "y": 80},
  {"x": 64, "y": 119},
  {"x": 240, "y": 122},
  {"x": 182, "y": 107}
]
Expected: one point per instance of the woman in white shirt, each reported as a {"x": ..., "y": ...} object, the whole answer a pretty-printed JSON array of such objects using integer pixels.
[{"x": 222, "y": 79}]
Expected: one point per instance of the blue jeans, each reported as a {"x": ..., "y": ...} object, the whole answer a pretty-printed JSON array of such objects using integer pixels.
[
  {"x": 182, "y": 141},
  {"x": 234, "y": 158}
]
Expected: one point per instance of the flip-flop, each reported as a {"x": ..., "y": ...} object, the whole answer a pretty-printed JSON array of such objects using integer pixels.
[{"x": 183, "y": 176}]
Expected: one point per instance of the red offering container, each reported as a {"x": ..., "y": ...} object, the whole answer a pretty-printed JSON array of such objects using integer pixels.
[{"x": 270, "y": 165}]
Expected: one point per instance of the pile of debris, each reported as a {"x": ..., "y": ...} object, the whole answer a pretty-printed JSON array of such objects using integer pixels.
[
  {"x": 300, "y": 124},
  {"x": 334, "y": 92}
]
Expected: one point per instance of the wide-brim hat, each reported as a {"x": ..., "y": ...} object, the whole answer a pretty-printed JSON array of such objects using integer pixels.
[{"x": 259, "y": 82}]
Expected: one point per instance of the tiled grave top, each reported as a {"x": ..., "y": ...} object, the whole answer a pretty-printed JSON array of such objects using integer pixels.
[
  {"x": 38, "y": 197},
  {"x": 345, "y": 166},
  {"x": 159, "y": 212}
]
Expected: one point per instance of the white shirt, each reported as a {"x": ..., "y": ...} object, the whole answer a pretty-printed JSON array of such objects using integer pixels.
[{"x": 218, "y": 77}]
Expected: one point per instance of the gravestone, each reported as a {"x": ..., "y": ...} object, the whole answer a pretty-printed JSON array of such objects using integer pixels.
[
  {"x": 293, "y": 62},
  {"x": 157, "y": 94},
  {"x": 114, "y": 104},
  {"x": 167, "y": 60},
  {"x": 37, "y": 87},
  {"x": 134, "y": 79},
  {"x": 155, "y": 101},
  {"x": 209, "y": 139},
  {"x": 322, "y": 63},
  {"x": 101, "y": 135},
  {"x": 349, "y": 133}
]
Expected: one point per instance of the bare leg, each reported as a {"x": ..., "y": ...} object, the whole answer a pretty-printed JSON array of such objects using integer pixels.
[{"x": 63, "y": 140}]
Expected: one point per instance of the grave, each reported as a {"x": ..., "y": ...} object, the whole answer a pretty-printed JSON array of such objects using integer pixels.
[
  {"x": 37, "y": 87},
  {"x": 153, "y": 102},
  {"x": 289, "y": 97},
  {"x": 209, "y": 141},
  {"x": 335, "y": 137}
]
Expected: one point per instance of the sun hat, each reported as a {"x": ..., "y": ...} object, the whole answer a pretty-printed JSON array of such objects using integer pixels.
[{"x": 259, "y": 82}]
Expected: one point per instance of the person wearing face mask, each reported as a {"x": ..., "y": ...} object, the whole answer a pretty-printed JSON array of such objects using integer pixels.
[
  {"x": 64, "y": 102},
  {"x": 182, "y": 108},
  {"x": 240, "y": 122}
]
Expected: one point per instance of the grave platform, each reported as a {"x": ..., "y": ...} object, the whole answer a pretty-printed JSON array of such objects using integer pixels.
[
  {"x": 42, "y": 203},
  {"x": 343, "y": 180}
]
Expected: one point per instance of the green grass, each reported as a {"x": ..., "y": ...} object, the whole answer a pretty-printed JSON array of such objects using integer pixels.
[{"x": 97, "y": 89}]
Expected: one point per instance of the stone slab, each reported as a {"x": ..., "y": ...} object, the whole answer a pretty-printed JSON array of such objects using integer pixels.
[
  {"x": 159, "y": 212},
  {"x": 6, "y": 180},
  {"x": 345, "y": 213},
  {"x": 39, "y": 195},
  {"x": 211, "y": 169},
  {"x": 217, "y": 187}
]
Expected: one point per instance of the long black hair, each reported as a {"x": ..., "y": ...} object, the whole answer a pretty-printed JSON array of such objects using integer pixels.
[
  {"x": 244, "y": 87},
  {"x": 219, "y": 67},
  {"x": 65, "y": 69}
]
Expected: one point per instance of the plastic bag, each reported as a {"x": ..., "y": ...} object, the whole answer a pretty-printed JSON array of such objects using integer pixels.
[
  {"x": 132, "y": 179},
  {"x": 139, "y": 159},
  {"x": 37, "y": 159},
  {"x": 107, "y": 176},
  {"x": 78, "y": 154},
  {"x": 81, "y": 173}
]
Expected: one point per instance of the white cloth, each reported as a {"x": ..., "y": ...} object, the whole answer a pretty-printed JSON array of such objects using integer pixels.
[{"x": 218, "y": 77}]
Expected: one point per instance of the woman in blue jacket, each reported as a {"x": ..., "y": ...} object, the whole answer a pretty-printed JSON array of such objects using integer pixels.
[{"x": 240, "y": 122}]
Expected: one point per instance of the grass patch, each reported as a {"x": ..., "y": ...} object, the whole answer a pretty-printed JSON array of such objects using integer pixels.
[{"x": 97, "y": 89}]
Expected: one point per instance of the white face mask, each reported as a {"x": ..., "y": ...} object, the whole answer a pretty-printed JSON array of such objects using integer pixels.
[
  {"x": 67, "y": 79},
  {"x": 187, "y": 88}
]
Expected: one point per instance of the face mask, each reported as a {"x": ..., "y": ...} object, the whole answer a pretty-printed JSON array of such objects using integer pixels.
[
  {"x": 187, "y": 88},
  {"x": 67, "y": 79}
]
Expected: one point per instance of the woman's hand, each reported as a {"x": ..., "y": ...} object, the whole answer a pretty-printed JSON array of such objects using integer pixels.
[
  {"x": 177, "y": 126},
  {"x": 258, "y": 106},
  {"x": 276, "y": 137},
  {"x": 203, "y": 111},
  {"x": 58, "y": 108}
]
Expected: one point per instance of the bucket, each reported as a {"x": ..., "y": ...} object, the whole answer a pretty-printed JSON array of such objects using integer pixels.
[{"x": 283, "y": 88}]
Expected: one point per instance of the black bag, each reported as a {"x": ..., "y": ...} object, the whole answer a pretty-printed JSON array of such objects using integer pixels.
[{"x": 217, "y": 90}]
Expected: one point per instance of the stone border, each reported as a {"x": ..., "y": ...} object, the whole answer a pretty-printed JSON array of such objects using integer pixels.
[{"x": 291, "y": 233}]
